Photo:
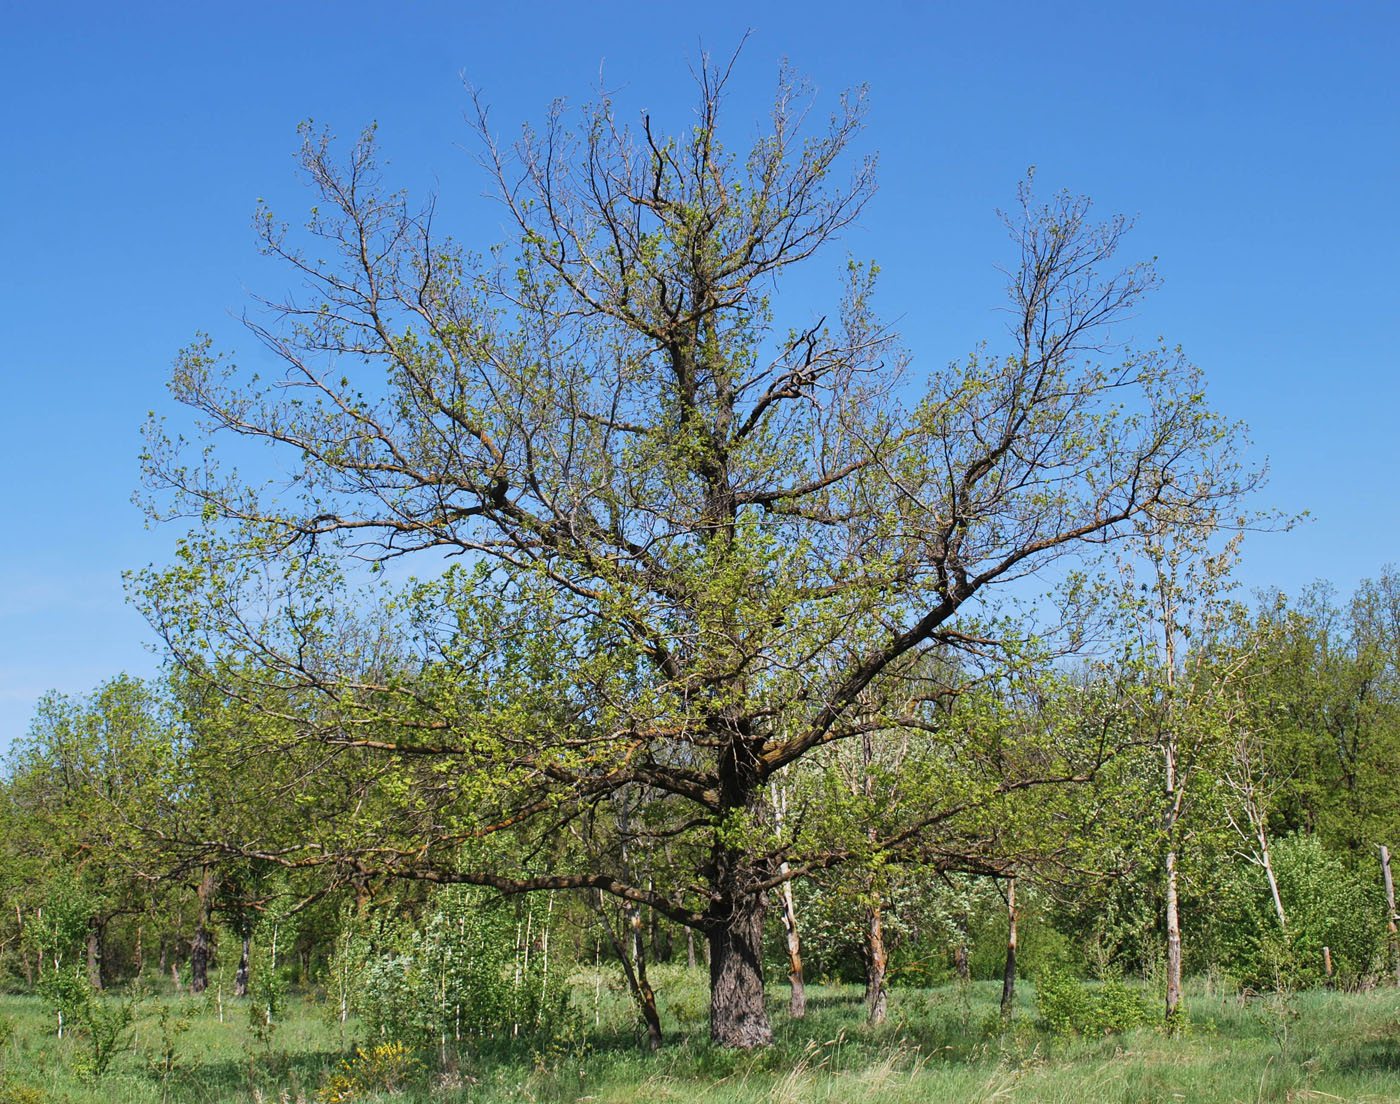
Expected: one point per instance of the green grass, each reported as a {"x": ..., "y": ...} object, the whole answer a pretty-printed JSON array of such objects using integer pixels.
[{"x": 939, "y": 1045}]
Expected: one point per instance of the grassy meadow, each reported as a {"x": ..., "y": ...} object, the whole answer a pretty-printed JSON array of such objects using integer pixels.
[{"x": 942, "y": 1044}]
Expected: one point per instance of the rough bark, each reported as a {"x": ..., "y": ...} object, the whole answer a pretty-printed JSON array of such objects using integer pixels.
[
  {"x": 1008, "y": 975},
  {"x": 738, "y": 1016},
  {"x": 734, "y": 918},
  {"x": 199, "y": 960}
]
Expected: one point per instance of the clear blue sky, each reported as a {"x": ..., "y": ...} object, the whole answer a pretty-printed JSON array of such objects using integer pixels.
[{"x": 1260, "y": 144}]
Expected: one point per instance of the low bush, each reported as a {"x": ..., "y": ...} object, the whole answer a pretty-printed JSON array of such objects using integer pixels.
[
  {"x": 385, "y": 1068},
  {"x": 1070, "y": 1007}
]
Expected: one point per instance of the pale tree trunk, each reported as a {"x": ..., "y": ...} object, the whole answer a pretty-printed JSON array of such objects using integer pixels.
[
  {"x": 797, "y": 998},
  {"x": 240, "y": 977},
  {"x": 645, "y": 994},
  {"x": 1248, "y": 760},
  {"x": 876, "y": 991},
  {"x": 1174, "y": 792},
  {"x": 1008, "y": 976},
  {"x": 1171, "y": 821},
  {"x": 1187, "y": 592},
  {"x": 1390, "y": 911},
  {"x": 1173, "y": 946},
  {"x": 1268, "y": 865},
  {"x": 1172, "y": 895},
  {"x": 797, "y": 1003}
]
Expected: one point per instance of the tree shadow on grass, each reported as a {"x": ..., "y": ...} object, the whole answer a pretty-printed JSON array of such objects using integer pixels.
[{"x": 828, "y": 999}]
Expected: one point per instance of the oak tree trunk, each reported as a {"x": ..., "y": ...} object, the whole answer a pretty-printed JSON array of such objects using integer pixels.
[
  {"x": 738, "y": 1016},
  {"x": 734, "y": 918}
]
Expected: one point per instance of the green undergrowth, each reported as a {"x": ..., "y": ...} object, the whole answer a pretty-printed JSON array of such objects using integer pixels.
[{"x": 942, "y": 1044}]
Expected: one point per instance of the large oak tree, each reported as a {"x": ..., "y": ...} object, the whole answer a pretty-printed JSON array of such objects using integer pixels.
[{"x": 705, "y": 525}]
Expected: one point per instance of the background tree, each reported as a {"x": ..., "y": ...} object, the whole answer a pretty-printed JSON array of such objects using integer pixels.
[
  {"x": 1187, "y": 692},
  {"x": 693, "y": 538},
  {"x": 89, "y": 773}
]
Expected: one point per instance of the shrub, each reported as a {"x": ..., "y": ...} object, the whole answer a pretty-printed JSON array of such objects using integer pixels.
[
  {"x": 1069, "y": 1007},
  {"x": 383, "y": 1068},
  {"x": 103, "y": 1024},
  {"x": 470, "y": 972},
  {"x": 1326, "y": 906}
]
